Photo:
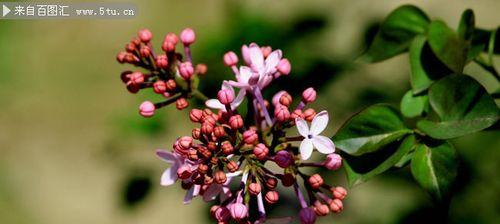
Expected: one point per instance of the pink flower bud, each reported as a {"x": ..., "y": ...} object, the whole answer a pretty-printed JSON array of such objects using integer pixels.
[
  {"x": 184, "y": 172},
  {"x": 266, "y": 50},
  {"x": 170, "y": 42},
  {"x": 238, "y": 211},
  {"x": 187, "y": 36},
  {"x": 260, "y": 151},
  {"x": 230, "y": 59},
  {"x": 213, "y": 209},
  {"x": 296, "y": 114},
  {"x": 222, "y": 214},
  {"x": 250, "y": 136},
  {"x": 307, "y": 216},
  {"x": 285, "y": 99},
  {"x": 136, "y": 78},
  {"x": 288, "y": 179},
  {"x": 271, "y": 183},
  {"x": 232, "y": 166},
  {"x": 309, "y": 95},
  {"x": 181, "y": 103},
  {"x": 207, "y": 128},
  {"x": 254, "y": 188},
  {"x": 162, "y": 61},
  {"x": 281, "y": 113},
  {"x": 284, "y": 66},
  {"x": 309, "y": 114},
  {"x": 186, "y": 70},
  {"x": 159, "y": 87},
  {"x": 195, "y": 133},
  {"x": 336, "y": 205},
  {"x": 171, "y": 85},
  {"x": 121, "y": 57},
  {"x": 283, "y": 159},
  {"x": 185, "y": 142},
  {"x": 225, "y": 96},
  {"x": 219, "y": 132},
  {"x": 236, "y": 122},
  {"x": 145, "y": 35},
  {"x": 277, "y": 97},
  {"x": 321, "y": 209},
  {"x": 220, "y": 177},
  {"x": 316, "y": 181},
  {"x": 227, "y": 148},
  {"x": 272, "y": 197},
  {"x": 333, "y": 161},
  {"x": 147, "y": 109},
  {"x": 145, "y": 51},
  {"x": 195, "y": 115},
  {"x": 201, "y": 69},
  {"x": 339, "y": 192}
]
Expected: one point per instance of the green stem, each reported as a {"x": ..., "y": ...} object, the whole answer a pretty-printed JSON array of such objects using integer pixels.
[{"x": 198, "y": 95}]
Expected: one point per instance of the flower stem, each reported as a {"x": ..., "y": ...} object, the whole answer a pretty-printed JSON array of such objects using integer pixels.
[
  {"x": 260, "y": 99},
  {"x": 302, "y": 201}
]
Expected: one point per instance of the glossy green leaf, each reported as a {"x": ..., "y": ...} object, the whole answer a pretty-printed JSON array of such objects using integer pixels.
[
  {"x": 462, "y": 105},
  {"x": 370, "y": 129},
  {"x": 413, "y": 105},
  {"x": 447, "y": 46},
  {"x": 425, "y": 66},
  {"x": 396, "y": 33},
  {"x": 434, "y": 167},
  {"x": 355, "y": 176},
  {"x": 466, "y": 25}
]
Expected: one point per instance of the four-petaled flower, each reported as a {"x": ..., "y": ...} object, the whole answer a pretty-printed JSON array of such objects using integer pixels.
[
  {"x": 260, "y": 73},
  {"x": 311, "y": 136},
  {"x": 216, "y": 104}
]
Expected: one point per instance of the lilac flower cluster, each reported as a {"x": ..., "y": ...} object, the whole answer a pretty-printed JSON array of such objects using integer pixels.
[
  {"x": 228, "y": 146},
  {"x": 170, "y": 74}
]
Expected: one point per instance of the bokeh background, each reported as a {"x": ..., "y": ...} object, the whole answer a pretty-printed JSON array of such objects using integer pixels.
[{"x": 74, "y": 150}]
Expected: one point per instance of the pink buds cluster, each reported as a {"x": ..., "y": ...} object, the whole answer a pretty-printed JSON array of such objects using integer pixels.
[
  {"x": 158, "y": 71},
  {"x": 227, "y": 143}
]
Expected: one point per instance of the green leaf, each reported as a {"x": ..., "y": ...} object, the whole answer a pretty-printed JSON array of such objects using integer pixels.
[
  {"x": 355, "y": 176},
  {"x": 462, "y": 105},
  {"x": 370, "y": 130},
  {"x": 434, "y": 167},
  {"x": 396, "y": 33},
  {"x": 447, "y": 46},
  {"x": 413, "y": 106},
  {"x": 425, "y": 66},
  {"x": 466, "y": 25}
]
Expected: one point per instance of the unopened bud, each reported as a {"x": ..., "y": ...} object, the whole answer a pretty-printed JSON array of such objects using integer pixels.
[
  {"x": 307, "y": 216},
  {"x": 159, "y": 87},
  {"x": 188, "y": 36},
  {"x": 225, "y": 96},
  {"x": 147, "y": 109},
  {"x": 309, "y": 95},
  {"x": 283, "y": 159},
  {"x": 145, "y": 35},
  {"x": 186, "y": 70},
  {"x": 236, "y": 122},
  {"x": 220, "y": 177},
  {"x": 254, "y": 188},
  {"x": 333, "y": 161},
  {"x": 250, "y": 137},
  {"x": 284, "y": 66},
  {"x": 184, "y": 172},
  {"x": 230, "y": 59},
  {"x": 260, "y": 151},
  {"x": 315, "y": 181},
  {"x": 232, "y": 166},
  {"x": 181, "y": 103},
  {"x": 271, "y": 197},
  {"x": 170, "y": 42},
  {"x": 162, "y": 61}
]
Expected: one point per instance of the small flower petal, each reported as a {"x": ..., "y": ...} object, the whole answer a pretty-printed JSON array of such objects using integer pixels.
[
  {"x": 306, "y": 149},
  {"x": 302, "y": 127},
  {"x": 215, "y": 104},
  {"x": 189, "y": 195},
  {"x": 169, "y": 176},
  {"x": 272, "y": 61},
  {"x": 256, "y": 57},
  {"x": 239, "y": 99},
  {"x": 323, "y": 144},
  {"x": 166, "y": 156},
  {"x": 319, "y": 123}
]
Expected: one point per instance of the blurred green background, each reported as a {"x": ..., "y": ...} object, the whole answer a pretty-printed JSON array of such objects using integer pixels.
[{"x": 74, "y": 149}]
